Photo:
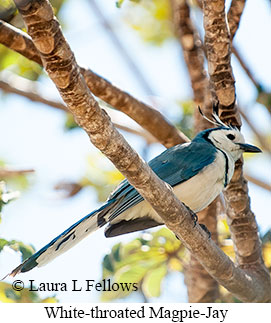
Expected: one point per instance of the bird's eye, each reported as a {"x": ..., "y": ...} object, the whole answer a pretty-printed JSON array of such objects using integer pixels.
[{"x": 231, "y": 137}]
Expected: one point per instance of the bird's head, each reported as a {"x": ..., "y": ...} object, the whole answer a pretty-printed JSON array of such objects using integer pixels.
[
  {"x": 226, "y": 138},
  {"x": 231, "y": 141}
]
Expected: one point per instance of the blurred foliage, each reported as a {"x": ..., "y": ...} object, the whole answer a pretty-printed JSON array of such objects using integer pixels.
[
  {"x": 18, "y": 64},
  {"x": 102, "y": 175},
  {"x": 185, "y": 124},
  {"x": 264, "y": 98},
  {"x": 150, "y": 19},
  {"x": 70, "y": 123},
  {"x": 14, "y": 181},
  {"x": 7, "y": 10},
  {"x": 6, "y": 196},
  {"x": 148, "y": 259},
  {"x": 18, "y": 246},
  {"x": 9, "y": 295},
  {"x": 11, "y": 60},
  {"x": 145, "y": 261},
  {"x": 120, "y": 2}
]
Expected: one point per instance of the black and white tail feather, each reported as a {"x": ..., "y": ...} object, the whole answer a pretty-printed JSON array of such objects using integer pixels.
[{"x": 66, "y": 240}]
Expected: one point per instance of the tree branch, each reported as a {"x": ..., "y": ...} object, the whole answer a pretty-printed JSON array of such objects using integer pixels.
[
  {"x": 62, "y": 68},
  {"x": 201, "y": 286},
  {"x": 8, "y": 88},
  {"x": 192, "y": 48},
  {"x": 245, "y": 67},
  {"x": 258, "y": 182},
  {"x": 218, "y": 50},
  {"x": 241, "y": 220},
  {"x": 7, "y": 172},
  {"x": 265, "y": 145},
  {"x": 234, "y": 15},
  {"x": 149, "y": 118}
]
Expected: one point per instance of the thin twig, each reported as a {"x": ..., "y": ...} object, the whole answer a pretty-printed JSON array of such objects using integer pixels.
[
  {"x": 265, "y": 145},
  {"x": 8, "y": 88},
  {"x": 8, "y": 172},
  {"x": 245, "y": 67},
  {"x": 258, "y": 182},
  {"x": 234, "y": 15}
]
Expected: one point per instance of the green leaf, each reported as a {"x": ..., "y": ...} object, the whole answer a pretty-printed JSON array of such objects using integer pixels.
[
  {"x": 3, "y": 243},
  {"x": 18, "y": 246},
  {"x": 152, "y": 281},
  {"x": 108, "y": 264},
  {"x": 119, "y": 3},
  {"x": 9, "y": 295},
  {"x": 116, "y": 252},
  {"x": 70, "y": 123},
  {"x": 150, "y": 19},
  {"x": 131, "y": 274}
]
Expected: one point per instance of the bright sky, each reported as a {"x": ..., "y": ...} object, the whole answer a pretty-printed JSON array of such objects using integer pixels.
[{"x": 33, "y": 137}]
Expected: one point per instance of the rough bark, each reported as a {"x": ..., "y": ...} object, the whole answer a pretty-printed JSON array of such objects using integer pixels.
[
  {"x": 192, "y": 48},
  {"x": 243, "y": 226},
  {"x": 241, "y": 220},
  {"x": 218, "y": 49},
  {"x": 234, "y": 15},
  {"x": 62, "y": 68},
  {"x": 149, "y": 118},
  {"x": 201, "y": 286}
]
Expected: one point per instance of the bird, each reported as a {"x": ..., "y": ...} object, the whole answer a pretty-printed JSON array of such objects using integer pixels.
[{"x": 197, "y": 171}]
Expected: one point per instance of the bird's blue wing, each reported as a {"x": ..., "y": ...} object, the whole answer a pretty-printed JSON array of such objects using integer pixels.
[{"x": 174, "y": 166}]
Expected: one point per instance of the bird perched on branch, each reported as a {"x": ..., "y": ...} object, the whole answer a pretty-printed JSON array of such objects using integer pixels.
[{"x": 198, "y": 171}]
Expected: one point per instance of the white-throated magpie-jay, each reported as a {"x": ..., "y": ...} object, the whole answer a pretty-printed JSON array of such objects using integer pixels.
[{"x": 198, "y": 171}]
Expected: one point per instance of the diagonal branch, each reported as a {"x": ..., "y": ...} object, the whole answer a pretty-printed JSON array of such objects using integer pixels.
[
  {"x": 62, "y": 68},
  {"x": 234, "y": 15},
  {"x": 149, "y": 118},
  {"x": 201, "y": 286},
  {"x": 241, "y": 220}
]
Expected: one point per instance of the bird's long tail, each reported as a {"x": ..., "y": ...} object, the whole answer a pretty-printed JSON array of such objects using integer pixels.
[{"x": 66, "y": 240}]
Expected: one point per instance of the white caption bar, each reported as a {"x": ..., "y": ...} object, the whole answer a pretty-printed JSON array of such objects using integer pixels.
[{"x": 103, "y": 312}]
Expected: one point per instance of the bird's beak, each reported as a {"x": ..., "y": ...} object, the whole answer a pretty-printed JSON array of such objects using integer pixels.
[{"x": 249, "y": 148}]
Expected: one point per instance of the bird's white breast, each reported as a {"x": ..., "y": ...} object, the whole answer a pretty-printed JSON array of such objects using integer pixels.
[{"x": 197, "y": 192}]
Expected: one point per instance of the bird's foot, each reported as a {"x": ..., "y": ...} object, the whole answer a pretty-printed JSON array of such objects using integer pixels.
[
  {"x": 193, "y": 215},
  {"x": 194, "y": 218},
  {"x": 204, "y": 228}
]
